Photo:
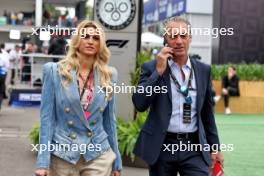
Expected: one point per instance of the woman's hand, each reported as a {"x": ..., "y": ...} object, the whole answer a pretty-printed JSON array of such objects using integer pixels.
[
  {"x": 41, "y": 172},
  {"x": 116, "y": 173}
]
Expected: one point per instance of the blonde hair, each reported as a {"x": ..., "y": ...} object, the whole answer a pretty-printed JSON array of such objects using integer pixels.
[{"x": 101, "y": 59}]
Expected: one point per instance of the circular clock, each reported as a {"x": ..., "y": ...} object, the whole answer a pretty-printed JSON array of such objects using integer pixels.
[{"x": 115, "y": 14}]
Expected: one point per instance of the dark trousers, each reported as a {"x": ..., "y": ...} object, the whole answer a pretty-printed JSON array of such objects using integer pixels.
[
  {"x": 26, "y": 72},
  {"x": 186, "y": 163},
  {"x": 13, "y": 73},
  {"x": 231, "y": 92},
  {"x": 2, "y": 88}
]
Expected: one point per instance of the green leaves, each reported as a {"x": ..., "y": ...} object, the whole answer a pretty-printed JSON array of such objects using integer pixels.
[
  {"x": 247, "y": 72},
  {"x": 142, "y": 57},
  {"x": 34, "y": 134},
  {"x": 128, "y": 133}
]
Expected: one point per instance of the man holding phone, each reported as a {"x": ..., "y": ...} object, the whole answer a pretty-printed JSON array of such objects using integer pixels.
[{"x": 180, "y": 134}]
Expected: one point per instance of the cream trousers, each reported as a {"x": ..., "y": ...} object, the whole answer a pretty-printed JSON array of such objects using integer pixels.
[{"x": 100, "y": 166}]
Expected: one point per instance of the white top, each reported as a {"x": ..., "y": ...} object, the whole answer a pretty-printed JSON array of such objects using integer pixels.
[
  {"x": 5, "y": 58},
  {"x": 4, "y": 64},
  {"x": 13, "y": 59}
]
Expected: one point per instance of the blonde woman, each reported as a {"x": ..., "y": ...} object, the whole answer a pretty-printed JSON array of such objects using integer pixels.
[{"x": 78, "y": 132}]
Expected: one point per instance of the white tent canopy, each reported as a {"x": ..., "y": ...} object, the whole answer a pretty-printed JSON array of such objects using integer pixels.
[{"x": 151, "y": 40}]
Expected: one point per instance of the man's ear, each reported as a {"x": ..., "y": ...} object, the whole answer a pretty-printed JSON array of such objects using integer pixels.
[{"x": 165, "y": 43}]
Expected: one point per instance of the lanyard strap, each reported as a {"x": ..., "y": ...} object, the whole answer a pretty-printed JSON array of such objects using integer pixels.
[
  {"x": 85, "y": 83},
  {"x": 177, "y": 82}
]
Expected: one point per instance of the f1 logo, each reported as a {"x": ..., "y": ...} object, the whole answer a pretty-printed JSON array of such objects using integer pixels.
[{"x": 118, "y": 43}]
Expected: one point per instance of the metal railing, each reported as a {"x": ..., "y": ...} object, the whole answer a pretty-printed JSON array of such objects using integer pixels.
[{"x": 31, "y": 73}]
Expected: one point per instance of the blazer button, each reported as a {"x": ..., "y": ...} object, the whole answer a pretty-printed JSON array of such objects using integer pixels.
[
  {"x": 89, "y": 134},
  {"x": 73, "y": 136},
  {"x": 67, "y": 110},
  {"x": 70, "y": 123}
]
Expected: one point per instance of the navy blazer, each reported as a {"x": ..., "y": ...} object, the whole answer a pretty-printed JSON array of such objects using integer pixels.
[{"x": 153, "y": 132}]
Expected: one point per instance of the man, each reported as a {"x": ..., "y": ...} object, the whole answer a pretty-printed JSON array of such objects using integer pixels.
[
  {"x": 230, "y": 87},
  {"x": 184, "y": 115},
  {"x": 13, "y": 59},
  {"x": 26, "y": 69},
  {"x": 57, "y": 47}
]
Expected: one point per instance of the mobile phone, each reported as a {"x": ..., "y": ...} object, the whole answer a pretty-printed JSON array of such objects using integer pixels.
[{"x": 165, "y": 43}]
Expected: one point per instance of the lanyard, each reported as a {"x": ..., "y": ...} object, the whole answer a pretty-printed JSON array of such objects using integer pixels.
[
  {"x": 176, "y": 82},
  {"x": 184, "y": 90},
  {"x": 85, "y": 83}
]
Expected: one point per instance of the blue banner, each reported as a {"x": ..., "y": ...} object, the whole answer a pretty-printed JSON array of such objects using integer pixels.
[
  {"x": 159, "y": 10},
  {"x": 25, "y": 97}
]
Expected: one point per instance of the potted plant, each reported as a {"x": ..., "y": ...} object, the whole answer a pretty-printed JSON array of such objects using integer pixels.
[
  {"x": 127, "y": 135},
  {"x": 142, "y": 57},
  {"x": 128, "y": 131},
  {"x": 34, "y": 134}
]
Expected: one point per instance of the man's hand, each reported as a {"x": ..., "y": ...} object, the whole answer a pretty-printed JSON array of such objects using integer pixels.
[
  {"x": 162, "y": 58},
  {"x": 218, "y": 157},
  {"x": 116, "y": 173},
  {"x": 41, "y": 172}
]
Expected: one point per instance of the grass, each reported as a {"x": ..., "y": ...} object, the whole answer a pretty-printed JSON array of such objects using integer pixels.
[{"x": 246, "y": 133}]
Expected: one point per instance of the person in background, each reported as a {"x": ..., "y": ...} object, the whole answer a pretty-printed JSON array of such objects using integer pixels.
[
  {"x": 20, "y": 17},
  {"x": 57, "y": 47},
  {"x": 4, "y": 64},
  {"x": 13, "y": 18},
  {"x": 14, "y": 59},
  {"x": 230, "y": 87},
  {"x": 5, "y": 58},
  {"x": 26, "y": 69}
]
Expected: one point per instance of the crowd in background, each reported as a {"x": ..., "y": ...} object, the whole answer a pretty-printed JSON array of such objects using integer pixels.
[
  {"x": 19, "y": 18},
  {"x": 27, "y": 19}
]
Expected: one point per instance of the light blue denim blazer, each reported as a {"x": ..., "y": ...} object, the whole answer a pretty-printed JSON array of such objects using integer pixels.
[{"x": 63, "y": 121}]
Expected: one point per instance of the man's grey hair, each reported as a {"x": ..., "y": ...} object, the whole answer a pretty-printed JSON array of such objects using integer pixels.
[{"x": 177, "y": 19}]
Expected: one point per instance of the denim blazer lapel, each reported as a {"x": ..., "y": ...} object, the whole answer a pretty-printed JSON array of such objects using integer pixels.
[
  {"x": 95, "y": 103},
  {"x": 73, "y": 96},
  {"x": 72, "y": 93}
]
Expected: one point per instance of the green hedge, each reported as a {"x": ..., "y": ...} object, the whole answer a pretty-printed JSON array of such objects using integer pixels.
[{"x": 247, "y": 72}]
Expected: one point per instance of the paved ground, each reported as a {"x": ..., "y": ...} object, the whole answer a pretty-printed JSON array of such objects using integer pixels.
[{"x": 16, "y": 156}]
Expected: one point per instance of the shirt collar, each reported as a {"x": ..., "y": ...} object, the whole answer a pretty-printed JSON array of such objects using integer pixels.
[{"x": 188, "y": 63}]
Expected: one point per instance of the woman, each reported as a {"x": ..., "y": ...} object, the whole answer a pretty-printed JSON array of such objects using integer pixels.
[
  {"x": 77, "y": 117},
  {"x": 230, "y": 87}
]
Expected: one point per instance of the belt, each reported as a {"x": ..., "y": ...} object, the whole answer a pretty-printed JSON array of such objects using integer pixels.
[{"x": 182, "y": 136}]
